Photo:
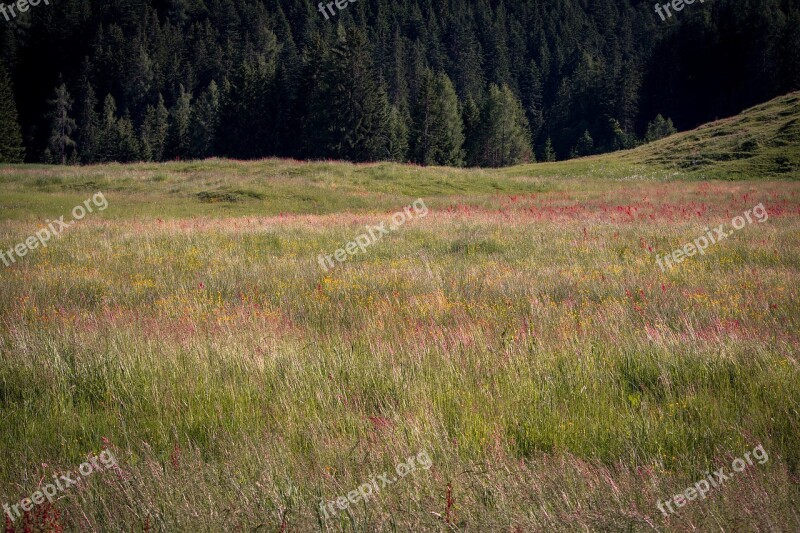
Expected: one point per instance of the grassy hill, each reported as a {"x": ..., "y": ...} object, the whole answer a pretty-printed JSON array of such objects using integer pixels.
[{"x": 762, "y": 142}]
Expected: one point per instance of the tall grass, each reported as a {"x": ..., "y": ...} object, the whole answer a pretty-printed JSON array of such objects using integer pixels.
[{"x": 529, "y": 342}]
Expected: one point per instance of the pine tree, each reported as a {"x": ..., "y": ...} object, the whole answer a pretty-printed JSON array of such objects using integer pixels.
[
  {"x": 505, "y": 137},
  {"x": 117, "y": 140},
  {"x": 311, "y": 108},
  {"x": 178, "y": 141},
  {"x": 62, "y": 125},
  {"x": 204, "y": 122},
  {"x": 533, "y": 99},
  {"x": 585, "y": 145},
  {"x": 618, "y": 139},
  {"x": 11, "y": 150},
  {"x": 548, "y": 155},
  {"x": 658, "y": 128},
  {"x": 438, "y": 131},
  {"x": 285, "y": 97},
  {"x": 497, "y": 45},
  {"x": 466, "y": 61},
  {"x": 128, "y": 147},
  {"x": 398, "y": 135},
  {"x": 107, "y": 135},
  {"x": 247, "y": 111},
  {"x": 471, "y": 117},
  {"x": 154, "y": 131},
  {"x": 397, "y": 73},
  {"x": 351, "y": 119},
  {"x": 88, "y": 125}
]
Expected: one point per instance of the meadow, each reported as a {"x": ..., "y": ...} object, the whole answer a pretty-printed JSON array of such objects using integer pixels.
[{"x": 521, "y": 334}]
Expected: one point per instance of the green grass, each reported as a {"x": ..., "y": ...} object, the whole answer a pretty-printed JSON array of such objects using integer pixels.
[{"x": 521, "y": 333}]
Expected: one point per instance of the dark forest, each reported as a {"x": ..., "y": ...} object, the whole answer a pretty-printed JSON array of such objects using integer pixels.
[{"x": 489, "y": 83}]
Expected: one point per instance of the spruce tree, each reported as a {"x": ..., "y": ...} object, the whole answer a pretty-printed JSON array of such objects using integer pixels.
[
  {"x": 438, "y": 131},
  {"x": 154, "y": 131},
  {"x": 11, "y": 150},
  {"x": 398, "y": 135},
  {"x": 585, "y": 145},
  {"x": 128, "y": 146},
  {"x": 505, "y": 136},
  {"x": 471, "y": 117},
  {"x": 117, "y": 140},
  {"x": 204, "y": 122},
  {"x": 107, "y": 138},
  {"x": 548, "y": 155},
  {"x": 311, "y": 107},
  {"x": 354, "y": 108},
  {"x": 62, "y": 125},
  {"x": 533, "y": 99},
  {"x": 658, "y": 128},
  {"x": 88, "y": 125},
  {"x": 466, "y": 61},
  {"x": 618, "y": 139},
  {"x": 178, "y": 141}
]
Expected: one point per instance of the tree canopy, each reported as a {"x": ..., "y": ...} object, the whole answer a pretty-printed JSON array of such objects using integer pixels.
[{"x": 489, "y": 82}]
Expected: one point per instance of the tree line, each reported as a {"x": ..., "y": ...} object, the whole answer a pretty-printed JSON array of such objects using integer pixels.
[{"x": 493, "y": 83}]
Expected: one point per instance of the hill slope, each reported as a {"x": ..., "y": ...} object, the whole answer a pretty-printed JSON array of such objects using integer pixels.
[{"x": 761, "y": 142}]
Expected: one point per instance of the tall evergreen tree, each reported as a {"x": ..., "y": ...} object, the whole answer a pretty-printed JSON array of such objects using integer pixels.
[
  {"x": 533, "y": 98},
  {"x": 505, "y": 135},
  {"x": 154, "y": 131},
  {"x": 204, "y": 122},
  {"x": 585, "y": 145},
  {"x": 354, "y": 108},
  {"x": 398, "y": 135},
  {"x": 617, "y": 138},
  {"x": 88, "y": 125},
  {"x": 438, "y": 131},
  {"x": 548, "y": 154},
  {"x": 658, "y": 128},
  {"x": 10, "y": 137},
  {"x": 62, "y": 125},
  {"x": 127, "y": 142},
  {"x": 471, "y": 117},
  {"x": 466, "y": 61},
  {"x": 180, "y": 116},
  {"x": 117, "y": 140},
  {"x": 107, "y": 140}
]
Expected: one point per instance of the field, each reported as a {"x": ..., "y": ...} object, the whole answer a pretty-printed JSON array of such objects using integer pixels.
[{"x": 521, "y": 334}]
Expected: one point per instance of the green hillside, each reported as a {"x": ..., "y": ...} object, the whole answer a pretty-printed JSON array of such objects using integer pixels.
[{"x": 761, "y": 142}]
